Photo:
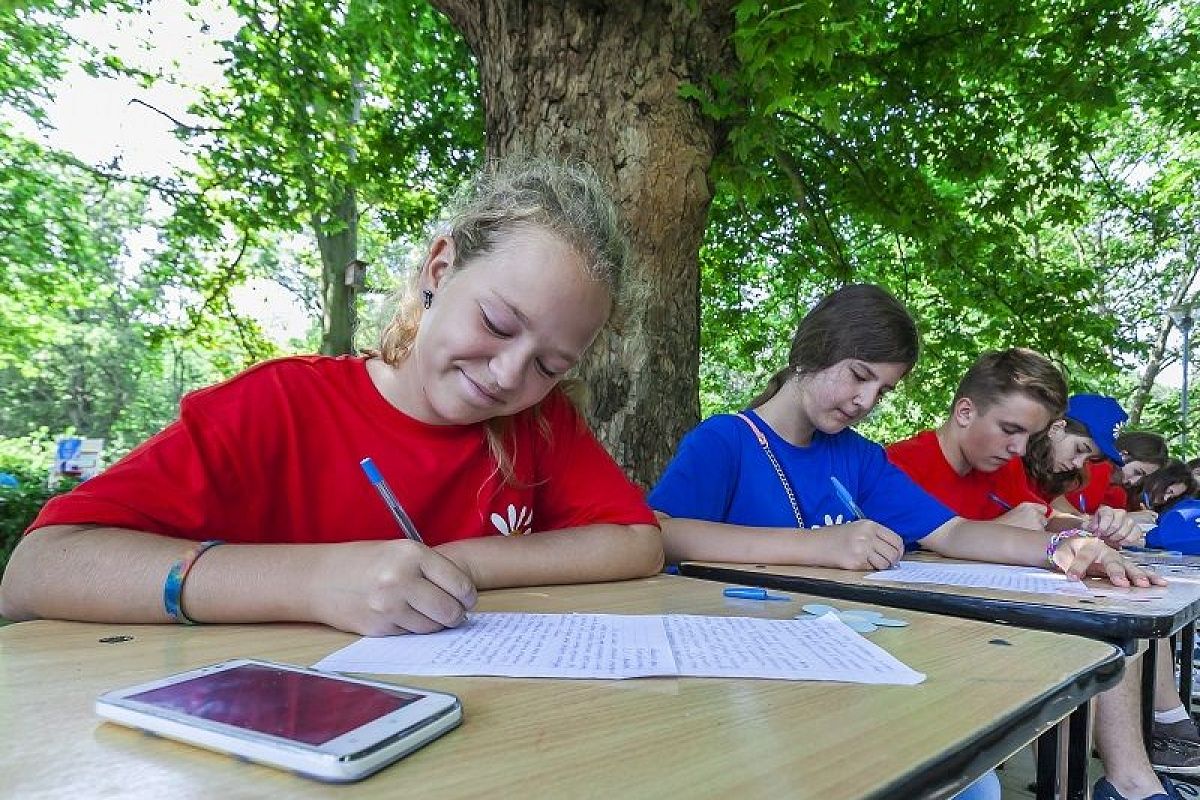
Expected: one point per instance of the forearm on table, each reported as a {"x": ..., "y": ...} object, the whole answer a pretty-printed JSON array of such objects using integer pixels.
[
  {"x": 700, "y": 540},
  {"x": 93, "y": 573},
  {"x": 588, "y": 554},
  {"x": 988, "y": 541}
]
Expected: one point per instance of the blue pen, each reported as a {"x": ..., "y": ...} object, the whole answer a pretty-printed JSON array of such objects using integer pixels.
[
  {"x": 1146, "y": 499},
  {"x": 1082, "y": 503},
  {"x": 389, "y": 499},
  {"x": 748, "y": 593},
  {"x": 846, "y": 499},
  {"x": 995, "y": 498}
]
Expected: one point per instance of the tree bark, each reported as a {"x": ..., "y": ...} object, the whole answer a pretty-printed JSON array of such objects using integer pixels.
[
  {"x": 1158, "y": 354},
  {"x": 337, "y": 239},
  {"x": 600, "y": 81}
]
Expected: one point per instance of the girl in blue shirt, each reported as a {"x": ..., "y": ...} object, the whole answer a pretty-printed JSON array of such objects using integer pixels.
[{"x": 741, "y": 485}]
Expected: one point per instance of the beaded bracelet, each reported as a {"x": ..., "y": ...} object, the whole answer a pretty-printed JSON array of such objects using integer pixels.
[
  {"x": 173, "y": 588},
  {"x": 1061, "y": 537}
]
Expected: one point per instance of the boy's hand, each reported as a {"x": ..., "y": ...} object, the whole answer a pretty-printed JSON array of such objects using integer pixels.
[{"x": 1025, "y": 515}]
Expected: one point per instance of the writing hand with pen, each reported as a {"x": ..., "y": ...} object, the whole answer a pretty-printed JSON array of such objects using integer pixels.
[
  {"x": 1025, "y": 515},
  {"x": 861, "y": 544},
  {"x": 1114, "y": 526},
  {"x": 383, "y": 588}
]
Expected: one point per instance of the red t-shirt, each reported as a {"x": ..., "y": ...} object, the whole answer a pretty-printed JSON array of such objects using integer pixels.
[
  {"x": 970, "y": 495},
  {"x": 1099, "y": 489},
  {"x": 272, "y": 456}
]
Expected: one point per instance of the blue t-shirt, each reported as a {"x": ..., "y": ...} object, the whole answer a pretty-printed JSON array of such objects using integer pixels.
[
  {"x": 721, "y": 474},
  {"x": 1178, "y": 529}
]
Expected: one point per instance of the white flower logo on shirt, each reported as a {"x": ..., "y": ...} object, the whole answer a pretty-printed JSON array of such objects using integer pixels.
[
  {"x": 838, "y": 520},
  {"x": 517, "y": 523}
]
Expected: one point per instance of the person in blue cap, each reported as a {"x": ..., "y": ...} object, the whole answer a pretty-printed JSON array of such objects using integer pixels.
[
  {"x": 1056, "y": 459},
  {"x": 1055, "y": 463}
]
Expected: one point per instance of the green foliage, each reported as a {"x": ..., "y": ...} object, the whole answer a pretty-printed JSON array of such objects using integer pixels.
[
  {"x": 27, "y": 459},
  {"x": 977, "y": 163},
  {"x": 1019, "y": 174},
  {"x": 332, "y": 113},
  {"x": 34, "y": 48}
]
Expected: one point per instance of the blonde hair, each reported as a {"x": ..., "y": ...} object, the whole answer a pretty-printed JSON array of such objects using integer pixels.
[{"x": 566, "y": 199}]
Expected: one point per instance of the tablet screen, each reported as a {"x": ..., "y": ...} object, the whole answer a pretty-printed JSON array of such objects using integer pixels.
[{"x": 292, "y": 705}]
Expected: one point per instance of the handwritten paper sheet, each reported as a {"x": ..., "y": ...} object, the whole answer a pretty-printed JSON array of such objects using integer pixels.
[
  {"x": 982, "y": 576},
  {"x": 818, "y": 649},
  {"x": 630, "y": 646}
]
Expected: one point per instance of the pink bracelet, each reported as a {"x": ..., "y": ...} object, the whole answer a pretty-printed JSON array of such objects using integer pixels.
[{"x": 1061, "y": 537}]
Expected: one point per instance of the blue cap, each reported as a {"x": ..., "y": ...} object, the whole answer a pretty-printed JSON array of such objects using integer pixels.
[
  {"x": 368, "y": 466},
  {"x": 1103, "y": 418}
]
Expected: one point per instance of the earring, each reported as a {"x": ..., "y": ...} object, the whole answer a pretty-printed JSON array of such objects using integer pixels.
[{"x": 427, "y": 298}]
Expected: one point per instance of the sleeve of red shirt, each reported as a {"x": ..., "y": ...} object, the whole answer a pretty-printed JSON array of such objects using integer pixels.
[
  {"x": 579, "y": 482},
  {"x": 1099, "y": 490},
  {"x": 902, "y": 454}
]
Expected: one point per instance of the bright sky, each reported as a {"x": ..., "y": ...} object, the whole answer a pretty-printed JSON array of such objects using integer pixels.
[{"x": 95, "y": 118}]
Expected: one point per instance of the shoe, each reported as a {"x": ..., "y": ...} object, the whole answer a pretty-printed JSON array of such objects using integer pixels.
[
  {"x": 1178, "y": 790},
  {"x": 1174, "y": 755},
  {"x": 1184, "y": 730},
  {"x": 1103, "y": 790}
]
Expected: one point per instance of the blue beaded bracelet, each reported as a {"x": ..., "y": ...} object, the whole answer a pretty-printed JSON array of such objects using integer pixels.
[{"x": 173, "y": 587}]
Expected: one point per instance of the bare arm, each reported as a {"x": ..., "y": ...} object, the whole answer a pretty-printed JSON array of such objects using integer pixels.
[
  {"x": 1115, "y": 526},
  {"x": 589, "y": 554},
  {"x": 92, "y": 573},
  {"x": 1004, "y": 544},
  {"x": 1061, "y": 505},
  {"x": 856, "y": 545},
  {"x": 989, "y": 541}
]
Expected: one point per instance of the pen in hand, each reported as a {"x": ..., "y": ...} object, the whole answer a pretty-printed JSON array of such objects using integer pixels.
[
  {"x": 846, "y": 498},
  {"x": 848, "y": 501},
  {"x": 995, "y": 498},
  {"x": 402, "y": 519}
]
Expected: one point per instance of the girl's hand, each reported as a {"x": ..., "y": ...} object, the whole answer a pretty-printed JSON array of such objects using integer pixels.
[
  {"x": 1025, "y": 515},
  {"x": 1114, "y": 526},
  {"x": 858, "y": 545},
  {"x": 383, "y": 588},
  {"x": 1086, "y": 555},
  {"x": 1143, "y": 517}
]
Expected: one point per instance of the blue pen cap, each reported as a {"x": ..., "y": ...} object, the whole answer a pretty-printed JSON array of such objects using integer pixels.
[{"x": 369, "y": 467}]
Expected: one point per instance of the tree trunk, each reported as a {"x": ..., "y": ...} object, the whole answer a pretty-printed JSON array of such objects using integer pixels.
[
  {"x": 337, "y": 239},
  {"x": 1158, "y": 354},
  {"x": 600, "y": 81}
]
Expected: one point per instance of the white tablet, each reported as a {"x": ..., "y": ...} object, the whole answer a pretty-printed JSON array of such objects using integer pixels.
[{"x": 313, "y": 723}]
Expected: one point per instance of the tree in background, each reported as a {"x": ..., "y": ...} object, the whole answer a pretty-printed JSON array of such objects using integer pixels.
[
  {"x": 923, "y": 147},
  {"x": 332, "y": 111},
  {"x": 977, "y": 159}
]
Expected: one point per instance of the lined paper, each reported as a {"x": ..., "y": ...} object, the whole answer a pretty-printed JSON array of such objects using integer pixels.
[
  {"x": 982, "y": 576},
  {"x": 630, "y": 646}
]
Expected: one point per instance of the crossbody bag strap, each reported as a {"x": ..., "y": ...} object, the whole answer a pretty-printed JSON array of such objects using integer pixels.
[{"x": 783, "y": 480}]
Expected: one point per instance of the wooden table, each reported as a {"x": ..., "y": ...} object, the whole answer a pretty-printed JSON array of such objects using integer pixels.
[
  {"x": 989, "y": 691},
  {"x": 1121, "y": 620}
]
